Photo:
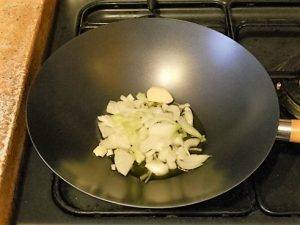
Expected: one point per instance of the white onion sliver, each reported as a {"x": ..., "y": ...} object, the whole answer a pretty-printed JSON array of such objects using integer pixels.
[
  {"x": 157, "y": 167},
  {"x": 192, "y": 161},
  {"x": 123, "y": 161}
]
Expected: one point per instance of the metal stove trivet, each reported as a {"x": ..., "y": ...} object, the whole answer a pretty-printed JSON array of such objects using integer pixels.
[{"x": 265, "y": 35}]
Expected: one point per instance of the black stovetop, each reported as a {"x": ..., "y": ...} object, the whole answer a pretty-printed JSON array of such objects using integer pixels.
[{"x": 268, "y": 29}]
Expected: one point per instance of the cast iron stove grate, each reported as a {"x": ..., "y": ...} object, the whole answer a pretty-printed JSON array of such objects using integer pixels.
[
  {"x": 238, "y": 202},
  {"x": 264, "y": 34},
  {"x": 274, "y": 38}
]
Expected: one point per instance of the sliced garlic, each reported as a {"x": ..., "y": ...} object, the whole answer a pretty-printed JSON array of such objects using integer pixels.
[{"x": 159, "y": 94}]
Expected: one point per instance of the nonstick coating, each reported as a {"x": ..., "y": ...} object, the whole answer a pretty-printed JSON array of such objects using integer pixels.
[{"x": 229, "y": 91}]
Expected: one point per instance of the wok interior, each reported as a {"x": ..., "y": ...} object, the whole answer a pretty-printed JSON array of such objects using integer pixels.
[{"x": 229, "y": 92}]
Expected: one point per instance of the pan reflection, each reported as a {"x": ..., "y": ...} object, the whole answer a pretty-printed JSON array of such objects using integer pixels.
[
  {"x": 170, "y": 66},
  {"x": 94, "y": 176},
  {"x": 97, "y": 178},
  {"x": 183, "y": 187},
  {"x": 169, "y": 74}
]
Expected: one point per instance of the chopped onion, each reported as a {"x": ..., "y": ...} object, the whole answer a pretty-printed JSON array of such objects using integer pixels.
[
  {"x": 138, "y": 155},
  {"x": 163, "y": 129},
  {"x": 192, "y": 161},
  {"x": 149, "y": 130},
  {"x": 171, "y": 164},
  {"x": 107, "y": 120},
  {"x": 192, "y": 142},
  {"x": 181, "y": 153},
  {"x": 141, "y": 96},
  {"x": 195, "y": 149},
  {"x": 174, "y": 109},
  {"x": 100, "y": 151},
  {"x": 189, "y": 129},
  {"x": 182, "y": 106},
  {"x": 116, "y": 141},
  {"x": 178, "y": 140},
  {"x": 188, "y": 115},
  {"x": 105, "y": 130},
  {"x": 109, "y": 152},
  {"x": 123, "y": 161},
  {"x": 157, "y": 167}
]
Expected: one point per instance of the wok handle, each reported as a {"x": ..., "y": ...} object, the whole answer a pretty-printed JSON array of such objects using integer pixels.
[{"x": 289, "y": 130}]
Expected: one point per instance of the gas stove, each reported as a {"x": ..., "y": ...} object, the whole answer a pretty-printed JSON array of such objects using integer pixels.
[{"x": 270, "y": 30}]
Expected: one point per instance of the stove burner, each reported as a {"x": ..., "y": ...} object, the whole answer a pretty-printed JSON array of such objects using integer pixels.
[
  {"x": 292, "y": 98},
  {"x": 290, "y": 84}
]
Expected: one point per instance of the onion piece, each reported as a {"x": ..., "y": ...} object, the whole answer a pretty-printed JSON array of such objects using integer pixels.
[
  {"x": 154, "y": 142},
  {"x": 181, "y": 153},
  {"x": 150, "y": 153},
  {"x": 123, "y": 161},
  {"x": 116, "y": 140},
  {"x": 157, "y": 110},
  {"x": 138, "y": 155},
  {"x": 107, "y": 120},
  {"x": 182, "y": 106},
  {"x": 163, "y": 129},
  {"x": 149, "y": 159},
  {"x": 195, "y": 149},
  {"x": 192, "y": 142},
  {"x": 142, "y": 97},
  {"x": 178, "y": 140},
  {"x": 100, "y": 150},
  {"x": 157, "y": 167},
  {"x": 105, "y": 130},
  {"x": 171, "y": 164},
  {"x": 168, "y": 156},
  {"x": 174, "y": 109},
  {"x": 164, "y": 154},
  {"x": 188, "y": 115},
  {"x": 149, "y": 122},
  {"x": 192, "y": 161},
  {"x": 109, "y": 152},
  {"x": 112, "y": 107},
  {"x": 189, "y": 129},
  {"x": 128, "y": 98}
]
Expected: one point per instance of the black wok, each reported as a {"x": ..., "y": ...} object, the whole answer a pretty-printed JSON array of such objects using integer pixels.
[{"x": 229, "y": 91}]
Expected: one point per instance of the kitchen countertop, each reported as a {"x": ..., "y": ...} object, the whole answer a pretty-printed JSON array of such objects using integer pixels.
[{"x": 24, "y": 28}]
